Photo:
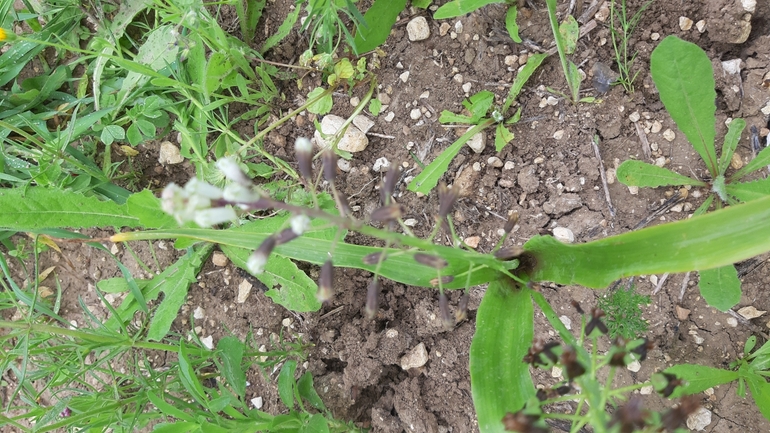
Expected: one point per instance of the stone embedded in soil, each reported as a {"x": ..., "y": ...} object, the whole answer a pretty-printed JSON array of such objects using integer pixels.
[
  {"x": 736, "y": 162},
  {"x": 682, "y": 313},
  {"x": 562, "y": 204},
  {"x": 749, "y": 5},
  {"x": 478, "y": 142},
  {"x": 208, "y": 342},
  {"x": 685, "y": 23},
  {"x": 415, "y": 114},
  {"x": 199, "y": 313},
  {"x": 701, "y": 26},
  {"x": 732, "y": 67},
  {"x": 257, "y": 402},
  {"x": 418, "y": 29},
  {"x": 404, "y": 76},
  {"x": 634, "y": 366},
  {"x": 169, "y": 154},
  {"x": 494, "y": 161},
  {"x": 415, "y": 358},
  {"x": 528, "y": 179},
  {"x": 243, "y": 291},
  {"x": 353, "y": 141},
  {"x": 343, "y": 165},
  {"x": 732, "y": 322},
  {"x": 564, "y": 234},
  {"x": 699, "y": 420},
  {"x": 444, "y": 29},
  {"x": 566, "y": 321},
  {"x": 750, "y": 312},
  {"x": 390, "y": 116},
  {"x": 472, "y": 241},
  {"x": 381, "y": 165},
  {"x": 219, "y": 259},
  {"x": 465, "y": 180},
  {"x": 363, "y": 123}
]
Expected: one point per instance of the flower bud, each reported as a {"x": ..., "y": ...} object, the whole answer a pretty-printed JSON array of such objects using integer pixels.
[
  {"x": 596, "y": 322},
  {"x": 513, "y": 218},
  {"x": 462, "y": 308},
  {"x": 203, "y": 189},
  {"x": 330, "y": 165},
  {"x": 389, "y": 185},
  {"x": 239, "y": 193},
  {"x": 508, "y": 253},
  {"x": 374, "y": 258},
  {"x": 213, "y": 216},
  {"x": 232, "y": 171},
  {"x": 571, "y": 364},
  {"x": 443, "y": 307},
  {"x": 432, "y": 261},
  {"x": 446, "y": 200},
  {"x": 303, "y": 150},
  {"x": 258, "y": 259},
  {"x": 387, "y": 213},
  {"x": 325, "y": 282},
  {"x": 372, "y": 299},
  {"x": 446, "y": 279}
]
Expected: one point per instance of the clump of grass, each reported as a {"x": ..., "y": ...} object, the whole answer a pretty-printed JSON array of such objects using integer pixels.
[
  {"x": 624, "y": 314},
  {"x": 621, "y": 27}
]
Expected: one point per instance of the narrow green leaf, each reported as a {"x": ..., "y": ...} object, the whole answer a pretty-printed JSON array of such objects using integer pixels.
[
  {"x": 188, "y": 378},
  {"x": 38, "y": 207},
  {"x": 708, "y": 241},
  {"x": 720, "y": 287},
  {"x": 699, "y": 378},
  {"x": 500, "y": 380},
  {"x": 176, "y": 427},
  {"x": 455, "y": 8},
  {"x": 286, "y": 383},
  {"x": 422, "y": 4},
  {"x": 167, "y": 409},
  {"x": 503, "y": 136},
  {"x": 230, "y": 351},
  {"x": 638, "y": 173},
  {"x": 283, "y": 30},
  {"x": 747, "y": 191},
  {"x": 731, "y": 142},
  {"x": 760, "y": 392},
  {"x": 569, "y": 32},
  {"x": 308, "y": 392},
  {"x": 533, "y": 62},
  {"x": 511, "y": 25},
  {"x": 683, "y": 75},
  {"x": 428, "y": 179},
  {"x": 315, "y": 424},
  {"x": 762, "y": 160},
  {"x": 449, "y": 117},
  {"x": 379, "y": 19}
]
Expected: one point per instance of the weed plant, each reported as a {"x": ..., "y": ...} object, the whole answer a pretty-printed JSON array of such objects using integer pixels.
[
  {"x": 622, "y": 26},
  {"x": 624, "y": 313}
]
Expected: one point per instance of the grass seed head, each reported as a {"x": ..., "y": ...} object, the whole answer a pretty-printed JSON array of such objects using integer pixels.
[
  {"x": 303, "y": 150},
  {"x": 372, "y": 299},
  {"x": 643, "y": 348},
  {"x": 325, "y": 282},
  {"x": 285, "y": 236},
  {"x": 329, "y": 159},
  {"x": 462, "y": 308},
  {"x": 430, "y": 260},
  {"x": 389, "y": 184},
  {"x": 446, "y": 279},
  {"x": 596, "y": 322},
  {"x": 571, "y": 363}
]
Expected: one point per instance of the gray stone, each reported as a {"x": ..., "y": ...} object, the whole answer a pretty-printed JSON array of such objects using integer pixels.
[
  {"x": 415, "y": 358},
  {"x": 353, "y": 141},
  {"x": 478, "y": 142},
  {"x": 169, "y": 154},
  {"x": 562, "y": 204},
  {"x": 418, "y": 29}
]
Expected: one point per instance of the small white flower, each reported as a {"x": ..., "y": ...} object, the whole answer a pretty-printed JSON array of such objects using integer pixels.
[
  {"x": 237, "y": 193},
  {"x": 173, "y": 198},
  {"x": 302, "y": 144},
  {"x": 299, "y": 224},
  {"x": 256, "y": 263},
  {"x": 200, "y": 188},
  {"x": 232, "y": 171},
  {"x": 214, "y": 216}
]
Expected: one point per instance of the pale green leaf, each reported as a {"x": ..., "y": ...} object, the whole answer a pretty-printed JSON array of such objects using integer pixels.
[
  {"x": 111, "y": 134},
  {"x": 323, "y": 105},
  {"x": 38, "y": 208},
  {"x": 762, "y": 160},
  {"x": 747, "y": 191},
  {"x": 637, "y": 173},
  {"x": 156, "y": 54},
  {"x": 760, "y": 392},
  {"x": 511, "y": 25},
  {"x": 720, "y": 287},
  {"x": 533, "y": 62},
  {"x": 455, "y": 8},
  {"x": 569, "y": 33},
  {"x": 500, "y": 380},
  {"x": 731, "y": 142},
  {"x": 379, "y": 19},
  {"x": 315, "y": 424},
  {"x": 699, "y": 378},
  {"x": 502, "y": 137},
  {"x": 230, "y": 351},
  {"x": 375, "y": 106},
  {"x": 683, "y": 75}
]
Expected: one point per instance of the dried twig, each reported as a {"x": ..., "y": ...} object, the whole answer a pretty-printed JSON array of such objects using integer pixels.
[
  {"x": 661, "y": 281},
  {"x": 684, "y": 286},
  {"x": 643, "y": 139}
]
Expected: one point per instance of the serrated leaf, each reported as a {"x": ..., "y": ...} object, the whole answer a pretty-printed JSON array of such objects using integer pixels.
[
  {"x": 38, "y": 207},
  {"x": 720, "y": 287},
  {"x": 375, "y": 106},
  {"x": 286, "y": 383},
  {"x": 522, "y": 77},
  {"x": 747, "y": 191},
  {"x": 731, "y": 142},
  {"x": 379, "y": 20},
  {"x": 762, "y": 160},
  {"x": 511, "y": 25},
  {"x": 230, "y": 351},
  {"x": 283, "y": 30},
  {"x": 146, "y": 207},
  {"x": 638, "y": 173},
  {"x": 699, "y": 378},
  {"x": 449, "y": 117},
  {"x": 760, "y": 392},
  {"x": 683, "y": 75},
  {"x": 504, "y": 331}
]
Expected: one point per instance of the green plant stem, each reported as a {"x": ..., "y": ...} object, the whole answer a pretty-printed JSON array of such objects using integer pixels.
[
  {"x": 559, "y": 45},
  {"x": 75, "y": 418}
]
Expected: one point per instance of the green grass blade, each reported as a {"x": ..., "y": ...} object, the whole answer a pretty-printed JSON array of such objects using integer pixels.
[
  {"x": 720, "y": 287},
  {"x": 762, "y": 160},
  {"x": 521, "y": 79},
  {"x": 708, "y": 241},
  {"x": 500, "y": 380},
  {"x": 638, "y": 173},
  {"x": 683, "y": 75},
  {"x": 731, "y": 142},
  {"x": 428, "y": 179},
  {"x": 38, "y": 208},
  {"x": 760, "y": 392},
  {"x": 747, "y": 191},
  {"x": 379, "y": 19},
  {"x": 456, "y": 8},
  {"x": 511, "y": 25}
]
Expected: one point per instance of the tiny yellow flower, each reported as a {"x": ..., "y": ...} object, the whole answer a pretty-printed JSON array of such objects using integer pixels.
[
  {"x": 3, "y": 34},
  {"x": 6, "y": 36}
]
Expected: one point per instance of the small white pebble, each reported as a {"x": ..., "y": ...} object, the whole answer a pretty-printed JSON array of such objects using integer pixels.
[
  {"x": 558, "y": 135},
  {"x": 381, "y": 165},
  {"x": 208, "y": 342},
  {"x": 669, "y": 135},
  {"x": 732, "y": 322},
  {"x": 467, "y": 87},
  {"x": 564, "y": 234},
  {"x": 646, "y": 390},
  {"x": 685, "y": 23},
  {"x": 508, "y": 165},
  {"x": 495, "y": 162},
  {"x": 404, "y": 76},
  {"x": 566, "y": 321},
  {"x": 390, "y": 116},
  {"x": 556, "y": 371},
  {"x": 415, "y": 114},
  {"x": 257, "y": 402},
  {"x": 655, "y": 36},
  {"x": 634, "y": 366},
  {"x": 701, "y": 26},
  {"x": 199, "y": 313},
  {"x": 634, "y": 117}
]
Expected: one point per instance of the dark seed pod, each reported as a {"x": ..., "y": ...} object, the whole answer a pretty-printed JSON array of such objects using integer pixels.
[
  {"x": 630, "y": 416},
  {"x": 446, "y": 200},
  {"x": 330, "y": 165},
  {"x": 462, "y": 308},
  {"x": 285, "y": 235},
  {"x": 513, "y": 218},
  {"x": 509, "y": 253},
  {"x": 303, "y": 150},
  {"x": 389, "y": 185},
  {"x": 387, "y": 213},
  {"x": 577, "y": 307},
  {"x": 643, "y": 348},
  {"x": 325, "y": 282},
  {"x": 571, "y": 363},
  {"x": 674, "y": 418},
  {"x": 671, "y": 383},
  {"x": 563, "y": 390},
  {"x": 541, "y": 394},
  {"x": 372, "y": 299},
  {"x": 618, "y": 359},
  {"x": 522, "y": 423},
  {"x": 258, "y": 259},
  {"x": 374, "y": 258},
  {"x": 430, "y": 260},
  {"x": 446, "y": 316},
  {"x": 596, "y": 322},
  {"x": 539, "y": 352},
  {"x": 446, "y": 279}
]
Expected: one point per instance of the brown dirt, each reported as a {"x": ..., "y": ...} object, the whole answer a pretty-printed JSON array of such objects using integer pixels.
[{"x": 553, "y": 183}]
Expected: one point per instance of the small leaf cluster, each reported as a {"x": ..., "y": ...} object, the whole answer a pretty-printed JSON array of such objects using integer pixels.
[{"x": 624, "y": 315}]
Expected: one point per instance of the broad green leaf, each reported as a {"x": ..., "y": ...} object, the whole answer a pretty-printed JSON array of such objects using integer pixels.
[
  {"x": 731, "y": 142},
  {"x": 720, "y": 287},
  {"x": 230, "y": 351},
  {"x": 683, "y": 75},
  {"x": 422, "y": 4},
  {"x": 322, "y": 106},
  {"x": 111, "y": 134},
  {"x": 511, "y": 25},
  {"x": 638, "y": 173},
  {"x": 146, "y": 207},
  {"x": 533, "y": 62},
  {"x": 760, "y": 392},
  {"x": 699, "y": 378},
  {"x": 174, "y": 287},
  {"x": 455, "y": 8},
  {"x": 286, "y": 383},
  {"x": 283, "y": 30},
  {"x": 428, "y": 179},
  {"x": 375, "y": 106},
  {"x": 156, "y": 54},
  {"x": 569, "y": 32},
  {"x": 479, "y": 104},
  {"x": 37, "y": 208},
  {"x": 308, "y": 392},
  {"x": 379, "y": 20},
  {"x": 502, "y": 137},
  {"x": 762, "y": 160},
  {"x": 573, "y": 80},
  {"x": 708, "y": 241},
  {"x": 315, "y": 424},
  {"x": 747, "y": 191},
  {"x": 500, "y": 380}
]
